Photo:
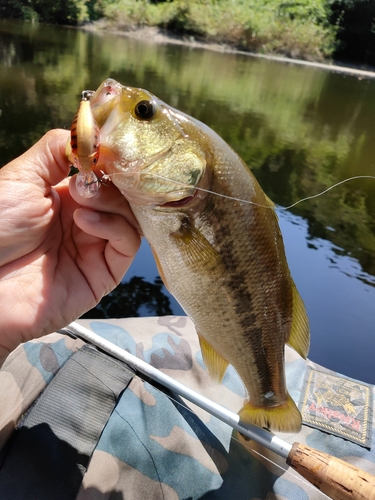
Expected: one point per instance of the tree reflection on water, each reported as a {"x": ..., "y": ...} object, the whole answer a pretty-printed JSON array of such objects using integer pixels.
[
  {"x": 134, "y": 298},
  {"x": 299, "y": 129}
]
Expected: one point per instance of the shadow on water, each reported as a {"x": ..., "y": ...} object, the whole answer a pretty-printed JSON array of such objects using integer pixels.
[
  {"x": 299, "y": 129},
  {"x": 131, "y": 299}
]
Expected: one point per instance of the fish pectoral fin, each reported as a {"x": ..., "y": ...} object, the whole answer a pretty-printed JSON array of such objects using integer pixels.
[
  {"x": 196, "y": 250},
  {"x": 107, "y": 157},
  {"x": 299, "y": 337},
  {"x": 215, "y": 364},
  {"x": 283, "y": 418}
]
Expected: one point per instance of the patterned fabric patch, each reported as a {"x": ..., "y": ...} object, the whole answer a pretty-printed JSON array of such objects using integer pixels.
[{"x": 337, "y": 405}]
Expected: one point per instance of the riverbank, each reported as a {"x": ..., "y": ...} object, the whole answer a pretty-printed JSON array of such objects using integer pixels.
[
  {"x": 153, "y": 34},
  {"x": 310, "y": 30},
  {"x": 274, "y": 27}
]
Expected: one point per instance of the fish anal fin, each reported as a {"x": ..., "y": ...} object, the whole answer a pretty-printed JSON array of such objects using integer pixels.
[
  {"x": 282, "y": 418},
  {"x": 215, "y": 363},
  {"x": 299, "y": 337}
]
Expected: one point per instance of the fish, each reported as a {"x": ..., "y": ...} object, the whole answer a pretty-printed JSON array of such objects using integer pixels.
[{"x": 222, "y": 259}]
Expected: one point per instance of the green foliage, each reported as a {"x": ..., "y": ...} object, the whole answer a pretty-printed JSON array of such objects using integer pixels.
[
  {"x": 355, "y": 22},
  {"x": 300, "y": 130},
  {"x": 304, "y": 10},
  {"x": 58, "y": 11},
  {"x": 127, "y": 13},
  {"x": 179, "y": 18},
  {"x": 307, "y": 29},
  {"x": 296, "y": 28}
]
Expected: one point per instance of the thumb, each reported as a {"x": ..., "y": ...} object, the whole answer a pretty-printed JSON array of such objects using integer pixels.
[{"x": 45, "y": 162}]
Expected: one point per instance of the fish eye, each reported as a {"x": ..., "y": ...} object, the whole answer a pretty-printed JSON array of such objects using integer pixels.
[{"x": 145, "y": 110}]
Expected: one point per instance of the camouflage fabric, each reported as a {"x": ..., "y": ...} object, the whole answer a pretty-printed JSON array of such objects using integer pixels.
[{"x": 154, "y": 447}]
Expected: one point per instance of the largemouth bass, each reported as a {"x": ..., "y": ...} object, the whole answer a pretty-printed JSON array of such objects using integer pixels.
[{"x": 221, "y": 258}]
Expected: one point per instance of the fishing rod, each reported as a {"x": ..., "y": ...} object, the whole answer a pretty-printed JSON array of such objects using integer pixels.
[{"x": 332, "y": 476}]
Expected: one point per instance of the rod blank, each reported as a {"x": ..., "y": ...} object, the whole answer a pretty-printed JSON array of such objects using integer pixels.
[
  {"x": 261, "y": 436},
  {"x": 334, "y": 477}
]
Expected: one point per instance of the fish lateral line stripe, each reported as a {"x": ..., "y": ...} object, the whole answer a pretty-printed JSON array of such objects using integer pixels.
[{"x": 240, "y": 200}]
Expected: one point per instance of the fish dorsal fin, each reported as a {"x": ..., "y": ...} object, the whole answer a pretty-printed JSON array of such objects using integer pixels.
[
  {"x": 270, "y": 202},
  {"x": 215, "y": 364},
  {"x": 271, "y": 205},
  {"x": 299, "y": 337}
]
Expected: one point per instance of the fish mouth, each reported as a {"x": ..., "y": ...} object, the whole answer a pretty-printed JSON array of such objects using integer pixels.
[{"x": 183, "y": 202}]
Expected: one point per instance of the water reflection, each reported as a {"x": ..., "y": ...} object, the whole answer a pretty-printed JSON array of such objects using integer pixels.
[
  {"x": 299, "y": 129},
  {"x": 134, "y": 298},
  {"x": 339, "y": 298}
]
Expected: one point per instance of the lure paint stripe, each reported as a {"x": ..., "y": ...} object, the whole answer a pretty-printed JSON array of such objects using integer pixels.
[{"x": 85, "y": 136}]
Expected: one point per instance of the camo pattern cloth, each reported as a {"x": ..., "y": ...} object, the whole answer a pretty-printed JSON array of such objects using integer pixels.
[{"x": 153, "y": 447}]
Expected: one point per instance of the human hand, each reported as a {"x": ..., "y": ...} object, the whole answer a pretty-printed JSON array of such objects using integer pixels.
[{"x": 59, "y": 253}]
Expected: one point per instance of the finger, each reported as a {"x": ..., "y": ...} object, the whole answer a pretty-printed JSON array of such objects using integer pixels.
[
  {"x": 108, "y": 199},
  {"x": 123, "y": 239},
  {"x": 44, "y": 164}
]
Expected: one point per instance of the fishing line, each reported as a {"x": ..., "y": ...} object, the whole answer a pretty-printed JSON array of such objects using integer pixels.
[
  {"x": 240, "y": 200},
  {"x": 169, "y": 386},
  {"x": 212, "y": 421},
  {"x": 328, "y": 189},
  {"x": 179, "y": 400},
  {"x": 214, "y": 424}
]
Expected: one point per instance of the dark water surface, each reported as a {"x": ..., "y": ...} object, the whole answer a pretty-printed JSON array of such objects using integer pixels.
[{"x": 299, "y": 129}]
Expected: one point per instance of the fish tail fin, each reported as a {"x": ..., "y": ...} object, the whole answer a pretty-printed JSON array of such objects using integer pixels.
[{"x": 283, "y": 418}]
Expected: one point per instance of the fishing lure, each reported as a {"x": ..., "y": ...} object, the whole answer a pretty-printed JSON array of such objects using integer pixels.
[{"x": 85, "y": 144}]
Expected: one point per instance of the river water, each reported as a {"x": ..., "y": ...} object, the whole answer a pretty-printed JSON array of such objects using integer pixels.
[{"x": 300, "y": 129}]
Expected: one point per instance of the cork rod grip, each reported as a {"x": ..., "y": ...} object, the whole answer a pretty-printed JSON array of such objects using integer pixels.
[{"x": 336, "y": 478}]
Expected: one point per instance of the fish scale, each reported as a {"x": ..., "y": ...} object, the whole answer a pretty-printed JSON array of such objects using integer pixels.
[{"x": 223, "y": 260}]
